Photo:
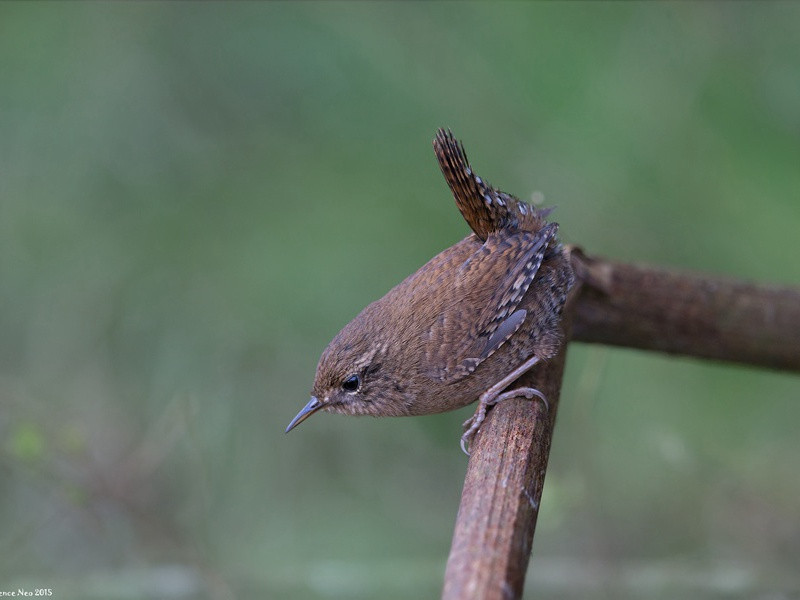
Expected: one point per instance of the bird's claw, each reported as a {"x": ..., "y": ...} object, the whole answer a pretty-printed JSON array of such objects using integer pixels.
[
  {"x": 526, "y": 392},
  {"x": 472, "y": 424},
  {"x": 464, "y": 444}
]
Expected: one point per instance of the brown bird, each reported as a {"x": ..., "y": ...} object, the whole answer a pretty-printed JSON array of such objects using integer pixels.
[{"x": 464, "y": 326}]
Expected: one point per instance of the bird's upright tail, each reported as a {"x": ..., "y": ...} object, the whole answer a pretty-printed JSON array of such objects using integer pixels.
[{"x": 485, "y": 208}]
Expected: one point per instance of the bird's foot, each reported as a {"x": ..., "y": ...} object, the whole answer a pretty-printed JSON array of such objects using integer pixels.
[{"x": 490, "y": 398}]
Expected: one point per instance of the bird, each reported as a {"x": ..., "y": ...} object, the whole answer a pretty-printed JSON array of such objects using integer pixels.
[{"x": 465, "y": 326}]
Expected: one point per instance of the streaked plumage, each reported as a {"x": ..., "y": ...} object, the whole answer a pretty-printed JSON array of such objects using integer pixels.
[{"x": 465, "y": 320}]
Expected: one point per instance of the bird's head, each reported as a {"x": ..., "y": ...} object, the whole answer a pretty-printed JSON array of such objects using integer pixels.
[{"x": 357, "y": 375}]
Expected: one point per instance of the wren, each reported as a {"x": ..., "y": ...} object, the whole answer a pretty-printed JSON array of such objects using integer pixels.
[{"x": 465, "y": 326}]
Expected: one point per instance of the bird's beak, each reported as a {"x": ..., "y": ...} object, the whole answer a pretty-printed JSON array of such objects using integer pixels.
[{"x": 309, "y": 409}]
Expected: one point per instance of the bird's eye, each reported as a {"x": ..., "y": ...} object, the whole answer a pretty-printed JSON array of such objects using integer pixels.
[{"x": 351, "y": 384}]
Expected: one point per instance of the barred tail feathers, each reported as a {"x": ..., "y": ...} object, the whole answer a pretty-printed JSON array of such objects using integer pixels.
[{"x": 484, "y": 208}]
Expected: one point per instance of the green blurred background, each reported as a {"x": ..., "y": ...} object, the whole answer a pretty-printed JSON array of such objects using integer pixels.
[{"x": 195, "y": 197}]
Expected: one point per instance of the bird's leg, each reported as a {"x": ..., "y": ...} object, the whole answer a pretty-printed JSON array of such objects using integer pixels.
[{"x": 493, "y": 395}]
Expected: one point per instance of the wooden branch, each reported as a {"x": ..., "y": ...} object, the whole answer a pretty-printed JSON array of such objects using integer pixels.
[
  {"x": 618, "y": 304},
  {"x": 502, "y": 489},
  {"x": 679, "y": 313}
]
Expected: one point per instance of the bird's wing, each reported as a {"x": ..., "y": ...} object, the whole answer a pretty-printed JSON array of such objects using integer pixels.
[{"x": 495, "y": 278}]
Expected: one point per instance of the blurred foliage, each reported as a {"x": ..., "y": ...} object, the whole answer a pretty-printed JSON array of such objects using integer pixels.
[{"x": 195, "y": 197}]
